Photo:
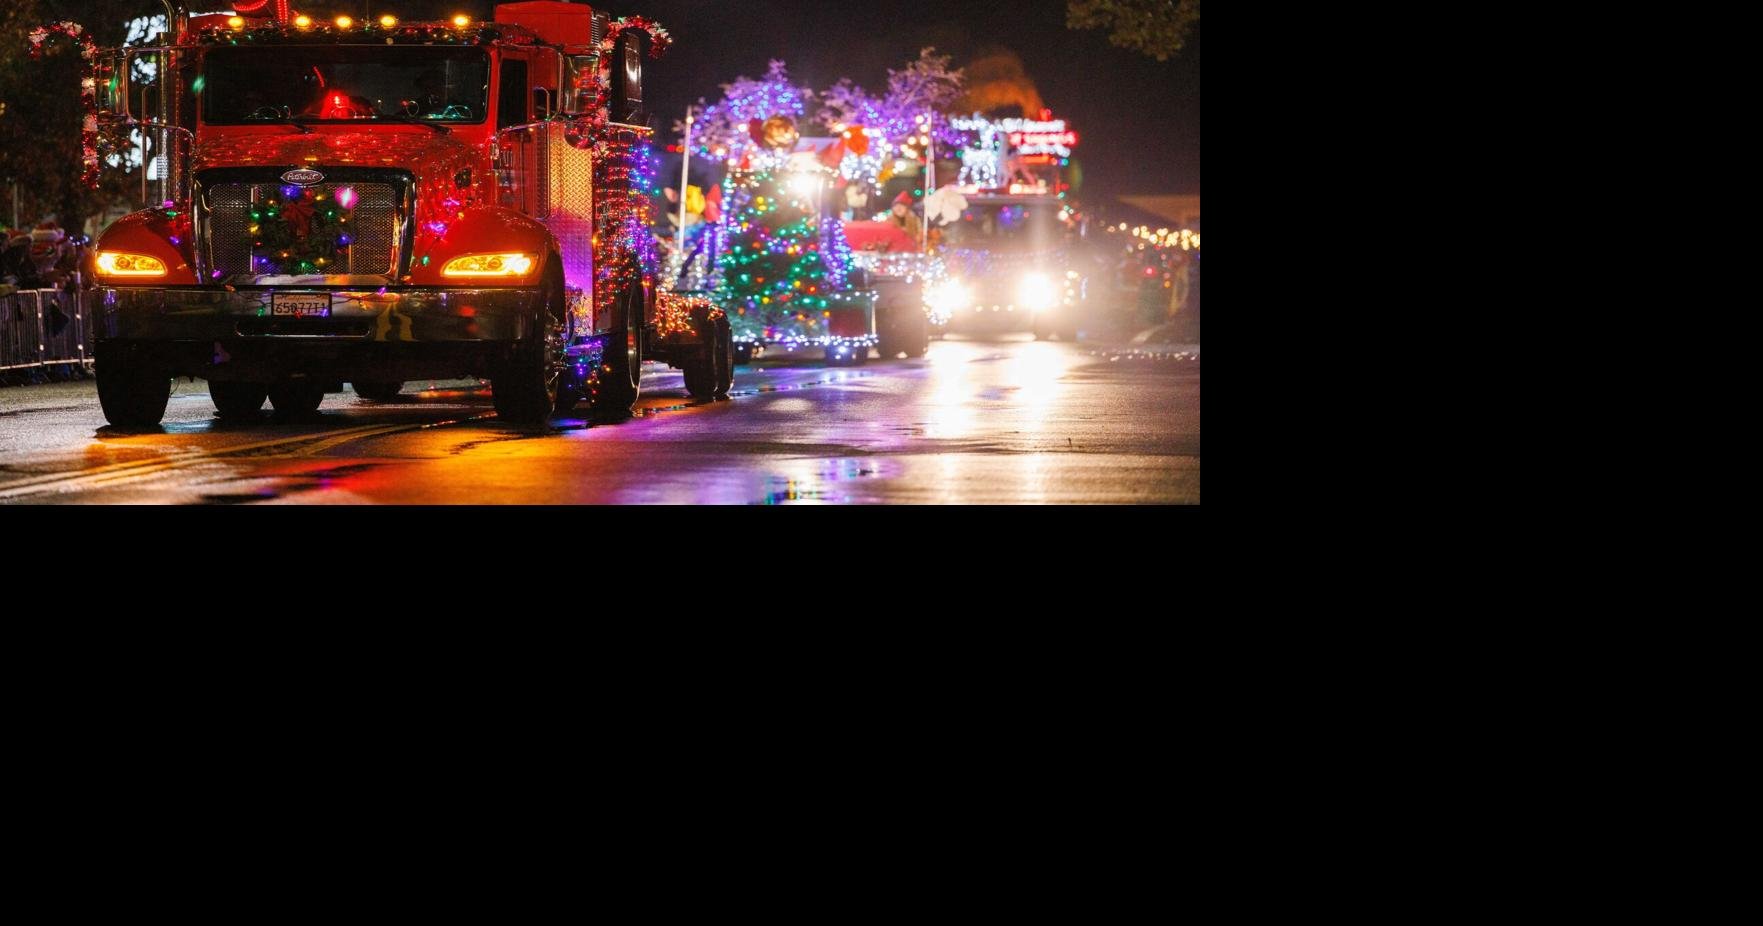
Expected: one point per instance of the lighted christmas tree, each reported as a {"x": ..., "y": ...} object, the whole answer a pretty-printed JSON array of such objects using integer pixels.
[{"x": 783, "y": 264}]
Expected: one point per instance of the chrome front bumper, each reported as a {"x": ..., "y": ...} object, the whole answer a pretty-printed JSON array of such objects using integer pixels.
[
  {"x": 388, "y": 315},
  {"x": 386, "y": 334}
]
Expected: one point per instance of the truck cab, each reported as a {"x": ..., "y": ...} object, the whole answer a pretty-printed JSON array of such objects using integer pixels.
[{"x": 374, "y": 201}]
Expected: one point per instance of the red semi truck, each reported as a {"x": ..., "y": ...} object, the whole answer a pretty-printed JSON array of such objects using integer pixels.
[{"x": 378, "y": 201}]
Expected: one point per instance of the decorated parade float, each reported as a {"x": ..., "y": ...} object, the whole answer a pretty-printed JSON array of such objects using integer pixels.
[
  {"x": 784, "y": 270},
  {"x": 377, "y": 201},
  {"x": 828, "y": 256},
  {"x": 767, "y": 244}
]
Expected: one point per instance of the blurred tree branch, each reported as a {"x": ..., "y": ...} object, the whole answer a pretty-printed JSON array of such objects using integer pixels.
[{"x": 1157, "y": 28}]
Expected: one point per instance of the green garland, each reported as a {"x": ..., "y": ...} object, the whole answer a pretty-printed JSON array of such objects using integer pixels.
[{"x": 304, "y": 234}]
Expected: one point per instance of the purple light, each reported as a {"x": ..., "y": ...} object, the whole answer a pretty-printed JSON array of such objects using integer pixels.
[
  {"x": 215, "y": 275},
  {"x": 346, "y": 197},
  {"x": 290, "y": 191},
  {"x": 176, "y": 240},
  {"x": 345, "y": 240},
  {"x": 169, "y": 205}
]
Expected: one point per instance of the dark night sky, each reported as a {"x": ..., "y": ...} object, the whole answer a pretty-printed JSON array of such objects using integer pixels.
[{"x": 1140, "y": 119}]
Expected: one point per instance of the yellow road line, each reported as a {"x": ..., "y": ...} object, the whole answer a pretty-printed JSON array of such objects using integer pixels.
[{"x": 122, "y": 472}]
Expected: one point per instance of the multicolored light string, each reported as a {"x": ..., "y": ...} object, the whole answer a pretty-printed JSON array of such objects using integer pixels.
[
  {"x": 320, "y": 32},
  {"x": 674, "y": 313},
  {"x": 625, "y": 178},
  {"x": 1187, "y": 239}
]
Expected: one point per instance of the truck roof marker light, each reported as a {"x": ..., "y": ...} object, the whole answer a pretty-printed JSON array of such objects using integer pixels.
[
  {"x": 236, "y": 23},
  {"x": 461, "y": 21},
  {"x": 345, "y": 22},
  {"x": 303, "y": 22},
  {"x": 388, "y": 21}
]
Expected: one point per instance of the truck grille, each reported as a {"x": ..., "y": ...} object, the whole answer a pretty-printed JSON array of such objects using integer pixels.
[{"x": 373, "y": 224}]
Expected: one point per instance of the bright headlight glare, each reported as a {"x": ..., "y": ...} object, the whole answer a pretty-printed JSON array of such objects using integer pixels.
[
  {"x": 949, "y": 296},
  {"x": 489, "y": 265},
  {"x": 122, "y": 264},
  {"x": 1036, "y": 293}
]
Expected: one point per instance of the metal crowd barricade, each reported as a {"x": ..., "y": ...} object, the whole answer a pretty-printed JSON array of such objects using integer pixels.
[{"x": 45, "y": 334}]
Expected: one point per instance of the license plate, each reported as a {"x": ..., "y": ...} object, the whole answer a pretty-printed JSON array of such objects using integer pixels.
[{"x": 301, "y": 305}]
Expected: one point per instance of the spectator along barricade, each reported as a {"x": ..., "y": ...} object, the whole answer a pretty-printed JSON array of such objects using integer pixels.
[
  {"x": 44, "y": 335},
  {"x": 45, "y": 317}
]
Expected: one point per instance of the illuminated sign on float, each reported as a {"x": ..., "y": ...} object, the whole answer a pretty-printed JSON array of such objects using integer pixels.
[
  {"x": 1033, "y": 142},
  {"x": 1039, "y": 137}
]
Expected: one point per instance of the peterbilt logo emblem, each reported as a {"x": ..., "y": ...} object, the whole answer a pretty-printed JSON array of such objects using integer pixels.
[{"x": 303, "y": 177}]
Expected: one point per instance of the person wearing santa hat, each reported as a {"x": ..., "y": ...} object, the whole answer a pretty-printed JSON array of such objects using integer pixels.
[
  {"x": 903, "y": 218},
  {"x": 16, "y": 267},
  {"x": 56, "y": 260}
]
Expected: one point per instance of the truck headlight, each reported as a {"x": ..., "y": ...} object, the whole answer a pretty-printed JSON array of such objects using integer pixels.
[
  {"x": 1036, "y": 293},
  {"x": 948, "y": 297},
  {"x": 489, "y": 265},
  {"x": 123, "y": 264}
]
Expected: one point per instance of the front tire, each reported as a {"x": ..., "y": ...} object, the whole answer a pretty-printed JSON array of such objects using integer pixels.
[
  {"x": 133, "y": 394},
  {"x": 856, "y": 357},
  {"x": 711, "y": 373},
  {"x": 525, "y": 388},
  {"x": 298, "y": 399},
  {"x": 905, "y": 331},
  {"x": 725, "y": 357},
  {"x": 382, "y": 393},
  {"x": 621, "y": 370},
  {"x": 917, "y": 339},
  {"x": 238, "y": 401}
]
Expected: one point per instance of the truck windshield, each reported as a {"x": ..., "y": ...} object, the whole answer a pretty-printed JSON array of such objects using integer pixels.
[
  {"x": 997, "y": 227},
  {"x": 343, "y": 83}
]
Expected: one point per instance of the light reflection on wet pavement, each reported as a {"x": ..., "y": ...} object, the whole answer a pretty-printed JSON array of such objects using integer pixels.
[{"x": 1006, "y": 422}]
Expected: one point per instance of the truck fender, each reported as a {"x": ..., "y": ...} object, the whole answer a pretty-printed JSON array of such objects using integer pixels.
[
  {"x": 483, "y": 230},
  {"x": 151, "y": 232}
]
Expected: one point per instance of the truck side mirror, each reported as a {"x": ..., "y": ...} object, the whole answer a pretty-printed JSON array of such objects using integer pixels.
[
  {"x": 129, "y": 84},
  {"x": 111, "y": 69},
  {"x": 627, "y": 78},
  {"x": 577, "y": 94}
]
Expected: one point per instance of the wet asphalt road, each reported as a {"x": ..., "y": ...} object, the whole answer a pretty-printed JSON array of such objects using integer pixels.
[{"x": 1010, "y": 421}]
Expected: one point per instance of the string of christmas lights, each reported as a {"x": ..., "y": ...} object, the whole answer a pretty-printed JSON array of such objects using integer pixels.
[
  {"x": 1187, "y": 239},
  {"x": 625, "y": 178},
  {"x": 457, "y": 32},
  {"x": 673, "y": 313},
  {"x": 721, "y": 130}
]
